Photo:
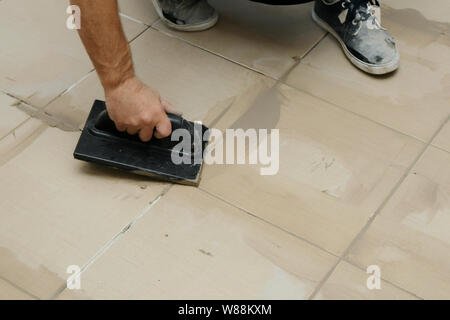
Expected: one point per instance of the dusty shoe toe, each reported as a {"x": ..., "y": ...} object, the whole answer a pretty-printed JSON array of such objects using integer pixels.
[{"x": 356, "y": 24}]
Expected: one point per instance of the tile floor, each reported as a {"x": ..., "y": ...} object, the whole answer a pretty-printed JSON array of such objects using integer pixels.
[{"x": 364, "y": 175}]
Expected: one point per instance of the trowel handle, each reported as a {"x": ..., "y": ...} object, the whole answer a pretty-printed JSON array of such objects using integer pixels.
[
  {"x": 176, "y": 120},
  {"x": 104, "y": 122}
]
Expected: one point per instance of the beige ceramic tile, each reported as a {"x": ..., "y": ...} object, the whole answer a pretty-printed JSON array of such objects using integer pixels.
[
  {"x": 266, "y": 38},
  {"x": 410, "y": 239},
  {"x": 10, "y": 292},
  {"x": 41, "y": 57},
  {"x": 350, "y": 283},
  {"x": 197, "y": 83},
  {"x": 57, "y": 211},
  {"x": 442, "y": 140},
  {"x": 141, "y": 10},
  {"x": 437, "y": 12},
  {"x": 19, "y": 139},
  {"x": 335, "y": 168},
  {"x": 193, "y": 246},
  {"x": 10, "y": 116},
  {"x": 413, "y": 100}
]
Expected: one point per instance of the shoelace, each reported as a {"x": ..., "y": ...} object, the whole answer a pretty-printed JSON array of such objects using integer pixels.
[{"x": 363, "y": 10}]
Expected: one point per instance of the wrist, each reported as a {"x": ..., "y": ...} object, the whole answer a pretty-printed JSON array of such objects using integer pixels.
[
  {"x": 116, "y": 81},
  {"x": 116, "y": 74},
  {"x": 129, "y": 84}
]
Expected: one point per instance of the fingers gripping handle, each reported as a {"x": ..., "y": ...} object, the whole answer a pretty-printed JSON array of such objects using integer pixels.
[{"x": 105, "y": 125}]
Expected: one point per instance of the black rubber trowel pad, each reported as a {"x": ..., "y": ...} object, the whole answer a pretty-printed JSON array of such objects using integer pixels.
[{"x": 101, "y": 143}]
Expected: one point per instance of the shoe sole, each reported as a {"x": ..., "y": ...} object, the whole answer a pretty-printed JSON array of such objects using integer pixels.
[
  {"x": 196, "y": 27},
  {"x": 364, "y": 66}
]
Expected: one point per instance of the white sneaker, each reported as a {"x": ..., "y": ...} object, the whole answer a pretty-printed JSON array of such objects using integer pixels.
[{"x": 186, "y": 15}]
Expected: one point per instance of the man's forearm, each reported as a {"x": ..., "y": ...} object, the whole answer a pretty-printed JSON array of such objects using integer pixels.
[{"x": 103, "y": 37}]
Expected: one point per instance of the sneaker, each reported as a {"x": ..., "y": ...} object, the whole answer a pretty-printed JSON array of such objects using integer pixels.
[
  {"x": 356, "y": 24},
  {"x": 186, "y": 15}
]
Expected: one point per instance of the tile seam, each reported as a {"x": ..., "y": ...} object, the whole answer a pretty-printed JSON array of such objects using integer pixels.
[
  {"x": 268, "y": 222},
  {"x": 103, "y": 249},
  {"x": 125, "y": 16},
  {"x": 280, "y": 78},
  {"x": 379, "y": 209},
  {"x": 356, "y": 114},
  {"x": 18, "y": 287},
  {"x": 212, "y": 52},
  {"x": 14, "y": 129},
  {"x": 439, "y": 148},
  {"x": 385, "y": 280},
  {"x": 88, "y": 74},
  {"x": 343, "y": 256}
]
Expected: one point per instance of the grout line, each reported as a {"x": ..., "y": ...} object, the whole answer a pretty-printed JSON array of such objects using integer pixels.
[
  {"x": 218, "y": 119},
  {"x": 21, "y": 100},
  {"x": 211, "y": 52},
  {"x": 440, "y": 148},
  {"x": 281, "y": 79},
  {"x": 438, "y": 132},
  {"x": 268, "y": 222},
  {"x": 15, "y": 128},
  {"x": 155, "y": 22},
  {"x": 296, "y": 61},
  {"x": 354, "y": 113},
  {"x": 123, "y": 15},
  {"x": 379, "y": 209},
  {"x": 113, "y": 240},
  {"x": 139, "y": 34},
  {"x": 385, "y": 280},
  {"x": 19, "y": 288},
  {"x": 65, "y": 91},
  {"x": 76, "y": 83}
]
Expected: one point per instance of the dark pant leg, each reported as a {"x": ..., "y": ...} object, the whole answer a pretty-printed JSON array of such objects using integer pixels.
[{"x": 282, "y": 2}]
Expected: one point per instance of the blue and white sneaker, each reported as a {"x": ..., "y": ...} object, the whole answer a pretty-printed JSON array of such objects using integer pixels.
[{"x": 356, "y": 24}]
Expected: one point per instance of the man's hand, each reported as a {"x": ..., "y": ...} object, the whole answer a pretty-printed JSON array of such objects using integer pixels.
[{"x": 136, "y": 108}]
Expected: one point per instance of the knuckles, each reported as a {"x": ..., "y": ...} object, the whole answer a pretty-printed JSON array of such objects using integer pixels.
[{"x": 147, "y": 120}]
